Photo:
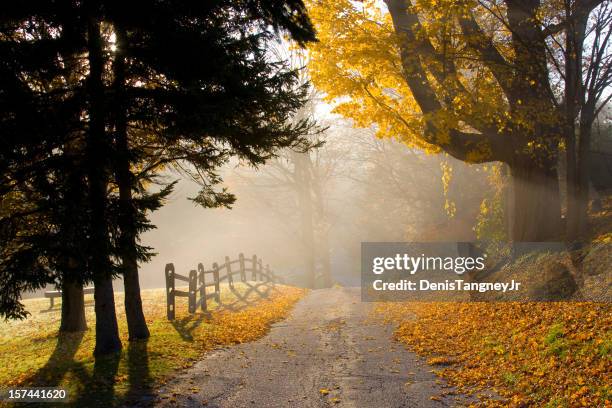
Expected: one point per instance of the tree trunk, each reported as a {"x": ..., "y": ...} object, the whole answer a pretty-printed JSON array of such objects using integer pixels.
[
  {"x": 574, "y": 94},
  {"x": 582, "y": 204},
  {"x": 73, "y": 307},
  {"x": 137, "y": 324},
  {"x": 72, "y": 264},
  {"x": 326, "y": 259},
  {"x": 107, "y": 331},
  {"x": 323, "y": 248},
  {"x": 303, "y": 181},
  {"x": 571, "y": 213},
  {"x": 536, "y": 204}
]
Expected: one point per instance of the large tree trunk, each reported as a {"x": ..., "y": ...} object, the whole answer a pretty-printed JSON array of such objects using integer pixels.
[
  {"x": 137, "y": 324},
  {"x": 71, "y": 264},
  {"x": 582, "y": 205},
  {"x": 73, "y": 307},
  {"x": 536, "y": 204},
  {"x": 107, "y": 331},
  {"x": 571, "y": 171},
  {"x": 578, "y": 178},
  {"x": 571, "y": 213},
  {"x": 574, "y": 95}
]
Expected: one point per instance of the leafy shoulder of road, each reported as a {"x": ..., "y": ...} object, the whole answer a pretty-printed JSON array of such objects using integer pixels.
[{"x": 532, "y": 354}]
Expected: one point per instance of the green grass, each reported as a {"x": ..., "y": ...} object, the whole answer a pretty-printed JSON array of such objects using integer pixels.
[
  {"x": 605, "y": 348},
  {"x": 555, "y": 340},
  {"x": 33, "y": 353},
  {"x": 509, "y": 378}
]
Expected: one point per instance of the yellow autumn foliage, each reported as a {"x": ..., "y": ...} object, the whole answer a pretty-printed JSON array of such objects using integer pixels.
[
  {"x": 531, "y": 354},
  {"x": 356, "y": 64},
  {"x": 356, "y": 60}
]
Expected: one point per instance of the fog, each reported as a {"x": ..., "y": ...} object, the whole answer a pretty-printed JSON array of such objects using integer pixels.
[{"x": 312, "y": 210}]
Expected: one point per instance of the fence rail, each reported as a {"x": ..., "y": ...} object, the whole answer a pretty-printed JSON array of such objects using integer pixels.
[{"x": 201, "y": 280}]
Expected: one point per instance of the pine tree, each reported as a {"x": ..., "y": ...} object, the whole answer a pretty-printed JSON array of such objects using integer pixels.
[{"x": 134, "y": 88}]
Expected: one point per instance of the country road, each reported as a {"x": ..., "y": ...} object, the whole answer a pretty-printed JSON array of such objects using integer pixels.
[{"x": 331, "y": 342}]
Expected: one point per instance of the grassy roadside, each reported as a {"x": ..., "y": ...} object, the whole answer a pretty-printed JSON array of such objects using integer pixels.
[
  {"x": 32, "y": 353},
  {"x": 531, "y": 354}
]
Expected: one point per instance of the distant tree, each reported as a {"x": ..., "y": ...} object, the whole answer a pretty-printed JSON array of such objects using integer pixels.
[
  {"x": 581, "y": 54},
  {"x": 406, "y": 194},
  {"x": 295, "y": 185}
]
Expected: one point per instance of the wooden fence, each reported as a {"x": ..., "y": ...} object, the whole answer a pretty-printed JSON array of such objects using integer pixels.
[{"x": 204, "y": 284}]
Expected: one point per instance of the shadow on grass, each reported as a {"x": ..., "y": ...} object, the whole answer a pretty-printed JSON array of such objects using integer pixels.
[
  {"x": 186, "y": 325},
  {"x": 61, "y": 360},
  {"x": 242, "y": 299},
  {"x": 97, "y": 388},
  {"x": 139, "y": 376}
]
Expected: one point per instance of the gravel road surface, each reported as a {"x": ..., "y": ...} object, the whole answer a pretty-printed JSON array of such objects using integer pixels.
[{"x": 331, "y": 351}]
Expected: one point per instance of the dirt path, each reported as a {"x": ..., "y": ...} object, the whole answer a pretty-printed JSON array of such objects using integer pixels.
[{"x": 330, "y": 342}]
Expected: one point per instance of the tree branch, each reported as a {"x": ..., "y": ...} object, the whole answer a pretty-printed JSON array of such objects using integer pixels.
[{"x": 469, "y": 147}]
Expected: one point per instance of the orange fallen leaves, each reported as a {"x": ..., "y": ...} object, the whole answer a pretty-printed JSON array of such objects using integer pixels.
[{"x": 536, "y": 354}]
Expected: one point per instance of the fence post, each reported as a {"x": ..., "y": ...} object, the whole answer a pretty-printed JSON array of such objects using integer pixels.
[
  {"x": 216, "y": 278},
  {"x": 202, "y": 282},
  {"x": 242, "y": 268},
  {"x": 170, "y": 291},
  {"x": 254, "y": 270},
  {"x": 228, "y": 268},
  {"x": 268, "y": 277},
  {"x": 193, "y": 283},
  {"x": 260, "y": 270}
]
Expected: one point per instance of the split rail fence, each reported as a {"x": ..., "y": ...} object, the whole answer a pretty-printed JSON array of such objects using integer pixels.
[{"x": 204, "y": 285}]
